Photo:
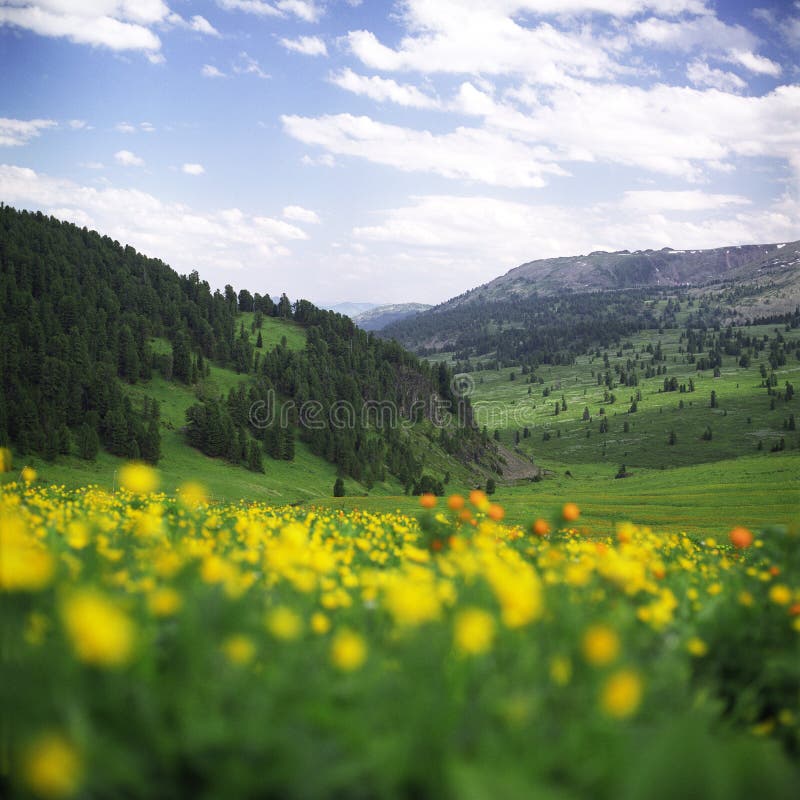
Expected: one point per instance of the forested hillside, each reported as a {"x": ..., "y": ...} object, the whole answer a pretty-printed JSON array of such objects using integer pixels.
[{"x": 84, "y": 317}]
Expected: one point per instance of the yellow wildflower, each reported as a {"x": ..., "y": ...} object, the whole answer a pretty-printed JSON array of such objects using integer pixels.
[
  {"x": 239, "y": 649},
  {"x": 283, "y": 623},
  {"x": 600, "y": 645},
  {"x": 474, "y": 631},
  {"x": 348, "y": 651},
  {"x": 320, "y": 623},
  {"x": 192, "y": 494},
  {"x": 697, "y": 647},
  {"x": 51, "y": 766},
  {"x": 24, "y": 564},
  {"x": 412, "y": 602},
  {"x": 138, "y": 478},
  {"x": 100, "y": 633},
  {"x": 780, "y": 595},
  {"x": 621, "y": 694},
  {"x": 164, "y": 602}
]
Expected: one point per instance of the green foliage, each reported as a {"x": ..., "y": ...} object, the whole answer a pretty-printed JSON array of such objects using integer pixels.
[
  {"x": 81, "y": 314},
  {"x": 428, "y": 699}
]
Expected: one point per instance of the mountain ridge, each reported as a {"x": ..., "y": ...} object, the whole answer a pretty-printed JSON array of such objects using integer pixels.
[
  {"x": 625, "y": 269},
  {"x": 377, "y": 318}
]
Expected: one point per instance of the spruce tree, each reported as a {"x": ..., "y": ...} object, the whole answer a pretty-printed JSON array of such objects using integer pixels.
[
  {"x": 254, "y": 462},
  {"x": 88, "y": 442}
]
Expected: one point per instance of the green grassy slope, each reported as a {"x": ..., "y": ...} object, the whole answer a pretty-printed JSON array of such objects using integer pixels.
[
  {"x": 742, "y": 420},
  {"x": 697, "y": 486},
  {"x": 702, "y": 499},
  {"x": 307, "y": 477}
]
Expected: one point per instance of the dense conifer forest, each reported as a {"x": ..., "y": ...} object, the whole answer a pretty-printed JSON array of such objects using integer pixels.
[{"x": 79, "y": 313}]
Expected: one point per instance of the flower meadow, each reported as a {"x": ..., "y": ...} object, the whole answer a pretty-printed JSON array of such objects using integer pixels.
[{"x": 162, "y": 646}]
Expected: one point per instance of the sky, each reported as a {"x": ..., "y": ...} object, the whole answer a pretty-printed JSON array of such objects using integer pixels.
[{"x": 357, "y": 150}]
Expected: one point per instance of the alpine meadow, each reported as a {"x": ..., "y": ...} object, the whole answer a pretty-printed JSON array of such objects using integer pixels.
[{"x": 399, "y": 401}]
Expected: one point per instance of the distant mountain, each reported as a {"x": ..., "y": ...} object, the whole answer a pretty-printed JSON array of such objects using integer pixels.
[
  {"x": 350, "y": 309},
  {"x": 552, "y": 309},
  {"x": 375, "y": 319},
  {"x": 599, "y": 271}
]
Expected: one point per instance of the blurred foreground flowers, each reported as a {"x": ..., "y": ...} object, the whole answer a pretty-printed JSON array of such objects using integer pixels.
[{"x": 159, "y": 645}]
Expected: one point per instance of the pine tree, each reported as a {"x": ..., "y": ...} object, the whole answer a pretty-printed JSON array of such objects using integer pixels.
[
  {"x": 254, "y": 462},
  {"x": 88, "y": 442},
  {"x": 287, "y": 450},
  {"x": 181, "y": 358},
  {"x": 272, "y": 441},
  {"x": 338, "y": 488},
  {"x": 151, "y": 442}
]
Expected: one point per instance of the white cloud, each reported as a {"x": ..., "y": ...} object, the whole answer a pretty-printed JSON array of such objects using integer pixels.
[
  {"x": 698, "y": 32},
  {"x": 614, "y": 8},
  {"x": 325, "y": 160},
  {"x": 764, "y": 14},
  {"x": 734, "y": 43},
  {"x": 383, "y": 89},
  {"x": 700, "y": 74},
  {"x": 247, "y": 65},
  {"x": 116, "y": 24},
  {"x": 755, "y": 63},
  {"x": 466, "y": 153},
  {"x": 672, "y": 130},
  {"x": 202, "y": 25},
  {"x": 210, "y": 71},
  {"x": 16, "y": 132},
  {"x": 213, "y": 242},
  {"x": 128, "y": 159},
  {"x": 128, "y": 127},
  {"x": 476, "y": 238},
  {"x": 91, "y": 165},
  {"x": 666, "y": 129},
  {"x": 791, "y": 30},
  {"x": 193, "y": 169},
  {"x": 687, "y": 201},
  {"x": 257, "y": 7},
  {"x": 78, "y": 124},
  {"x": 472, "y": 101},
  {"x": 480, "y": 40},
  {"x": 307, "y": 45},
  {"x": 300, "y": 214},
  {"x": 306, "y": 10}
]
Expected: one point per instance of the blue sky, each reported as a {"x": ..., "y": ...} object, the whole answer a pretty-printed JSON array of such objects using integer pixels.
[{"x": 406, "y": 151}]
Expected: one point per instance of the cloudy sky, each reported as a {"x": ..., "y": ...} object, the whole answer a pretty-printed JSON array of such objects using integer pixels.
[{"x": 370, "y": 150}]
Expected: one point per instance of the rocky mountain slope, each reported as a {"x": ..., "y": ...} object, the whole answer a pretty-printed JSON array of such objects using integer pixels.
[
  {"x": 774, "y": 264},
  {"x": 378, "y": 318}
]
